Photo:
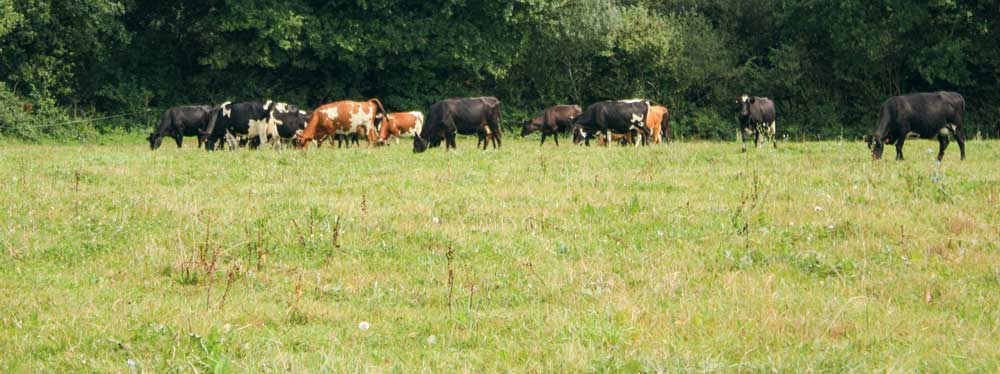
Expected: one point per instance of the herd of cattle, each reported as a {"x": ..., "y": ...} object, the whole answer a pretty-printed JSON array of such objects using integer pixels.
[{"x": 927, "y": 115}]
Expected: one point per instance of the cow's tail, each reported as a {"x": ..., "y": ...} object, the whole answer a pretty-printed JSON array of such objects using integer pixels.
[
  {"x": 499, "y": 129},
  {"x": 380, "y": 108},
  {"x": 665, "y": 125}
]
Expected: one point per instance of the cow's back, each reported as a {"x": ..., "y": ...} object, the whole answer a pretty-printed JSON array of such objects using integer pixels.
[
  {"x": 762, "y": 111},
  {"x": 617, "y": 116},
  {"x": 925, "y": 113},
  {"x": 469, "y": 114},
  {"x": 562, "y": 114}
]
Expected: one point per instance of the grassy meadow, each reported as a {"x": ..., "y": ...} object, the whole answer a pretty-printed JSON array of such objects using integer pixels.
[{"x": 684, "y": 257}]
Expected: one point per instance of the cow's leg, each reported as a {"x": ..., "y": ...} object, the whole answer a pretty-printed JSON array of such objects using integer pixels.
[
  {"x": 543, "y": 138},
  {"x": 179, "y": 140},
  {"x": 756, "y": 135},
  {"x": 449, "y": 139},
  {"x": 607, "y": 139},
  {"x": 899, "y": 148},
  {"x": 741, "y": 137},
  {"x": 774, "y": 134},
  {"x": 263, "y": 139},
  {"x": 555, "y": 138},
  {"x": 943, "y": 141},
  {"x": 960, "y": 138},
  {"x": 230, "y": 141}
]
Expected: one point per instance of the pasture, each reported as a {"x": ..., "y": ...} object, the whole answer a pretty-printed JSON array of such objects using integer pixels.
[{"x": 685, "y": 257}]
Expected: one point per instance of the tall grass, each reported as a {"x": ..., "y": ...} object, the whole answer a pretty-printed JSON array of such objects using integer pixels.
[{"x": 686, "y": 257}]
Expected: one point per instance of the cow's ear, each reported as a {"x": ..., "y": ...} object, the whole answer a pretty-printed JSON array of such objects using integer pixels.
[{"x": 753, "y": 100}]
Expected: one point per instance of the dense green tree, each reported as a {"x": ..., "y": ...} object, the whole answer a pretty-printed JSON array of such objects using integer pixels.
[{"x": 828, "y": 65}]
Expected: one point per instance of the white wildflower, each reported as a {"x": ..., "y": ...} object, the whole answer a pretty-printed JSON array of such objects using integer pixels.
[{"x": 364, "y": 326}]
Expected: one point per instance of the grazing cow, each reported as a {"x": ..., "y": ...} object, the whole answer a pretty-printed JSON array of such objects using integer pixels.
[
  {"x": 467, "y": 116},
  {"x": 359, "y": 118},
  {"x": 928, "y": 115},
  {"x": 238, "y": 122},
  {"x": 553, "y": 120},
  {"x": 400, "y": 124},
  {"x": 531, "y": 125},
  {"x": 291, "y": 124},
  {"x": 756, "y": 118},
  {"x": 178, "y": 122},
  {"x": 658, "y": 121},
  {"x": 607, "y": 117}
]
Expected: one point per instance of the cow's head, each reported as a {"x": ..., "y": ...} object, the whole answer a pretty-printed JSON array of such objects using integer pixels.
[
  {"x": 745, "y": 101},
  {"x": 877, "y": 146},
  {"x": 300, "y": 139},
  {"x": 419, "y": 144},
  {"x": 528, "y": 127},
  {"x": 154, "y": 141},
  {"x": 579, "y": 134}
]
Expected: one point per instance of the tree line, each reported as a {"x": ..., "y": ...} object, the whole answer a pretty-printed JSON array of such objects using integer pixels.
[{"x": 828, "y": 65}]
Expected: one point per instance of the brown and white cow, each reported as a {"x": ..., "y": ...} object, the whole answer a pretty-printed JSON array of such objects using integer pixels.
[
  {"x": 401, "y": 124},
  {"x": 361, "y": 118}
]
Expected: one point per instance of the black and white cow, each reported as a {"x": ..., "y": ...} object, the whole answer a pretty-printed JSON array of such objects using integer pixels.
[
  {"x": 927, "y": 115},
  {"x": 606, "y": 118},
  {"x": 241, "y": 121},
  {"x": 290, "y": 124},
  {"x": 467, "y": 116},
  {"x": 756, "y": 118},
  {"x": 178, "y": 122}
]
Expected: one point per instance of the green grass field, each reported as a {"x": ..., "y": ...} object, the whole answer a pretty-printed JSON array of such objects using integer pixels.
[{"x": 686, "y": 257}]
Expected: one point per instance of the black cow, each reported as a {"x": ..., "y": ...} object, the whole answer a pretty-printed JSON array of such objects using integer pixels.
[
  {"x": 607, "y": 117},
  {"x": 553, "y": 120},
  {"x": 178, "y": 122},
  {"x": 928, "y": 115},
  {"x": 244, "y": 120},
  {"x": 467, "y": 116},
  {"x": 756, "y": 118}
]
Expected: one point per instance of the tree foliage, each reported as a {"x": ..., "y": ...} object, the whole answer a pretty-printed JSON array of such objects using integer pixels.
[{"x": 828, "y": 65}]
